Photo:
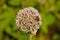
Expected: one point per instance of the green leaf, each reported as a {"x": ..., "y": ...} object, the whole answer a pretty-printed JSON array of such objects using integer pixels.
[
  {"x": 47, "y": 20},
  {"x": 14, "y": 2},
  {"x": 28, "y": 3}
]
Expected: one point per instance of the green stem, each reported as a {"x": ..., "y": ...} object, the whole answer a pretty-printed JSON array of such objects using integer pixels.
[{"x": 30, "y": 36}]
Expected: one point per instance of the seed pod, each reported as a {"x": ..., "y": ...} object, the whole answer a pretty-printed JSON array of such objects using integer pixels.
[{"x": 28, "y": 20}]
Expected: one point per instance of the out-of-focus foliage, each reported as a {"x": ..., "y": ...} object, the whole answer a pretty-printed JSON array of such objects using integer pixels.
[{"x": 50, "y": 14}]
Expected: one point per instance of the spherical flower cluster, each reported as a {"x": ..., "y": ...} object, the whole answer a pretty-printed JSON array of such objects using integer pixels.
[{"x": 28, "y": 20}]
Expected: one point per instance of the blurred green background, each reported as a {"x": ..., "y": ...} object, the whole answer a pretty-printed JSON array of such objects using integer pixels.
[{"x": 49, "y": 11}]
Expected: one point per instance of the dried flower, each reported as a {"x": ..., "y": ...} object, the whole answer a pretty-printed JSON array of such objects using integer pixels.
[{"x": 28, "y": 20}]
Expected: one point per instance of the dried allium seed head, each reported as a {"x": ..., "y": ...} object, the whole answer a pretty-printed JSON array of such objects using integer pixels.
[{"x": 28, "y": 20}]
